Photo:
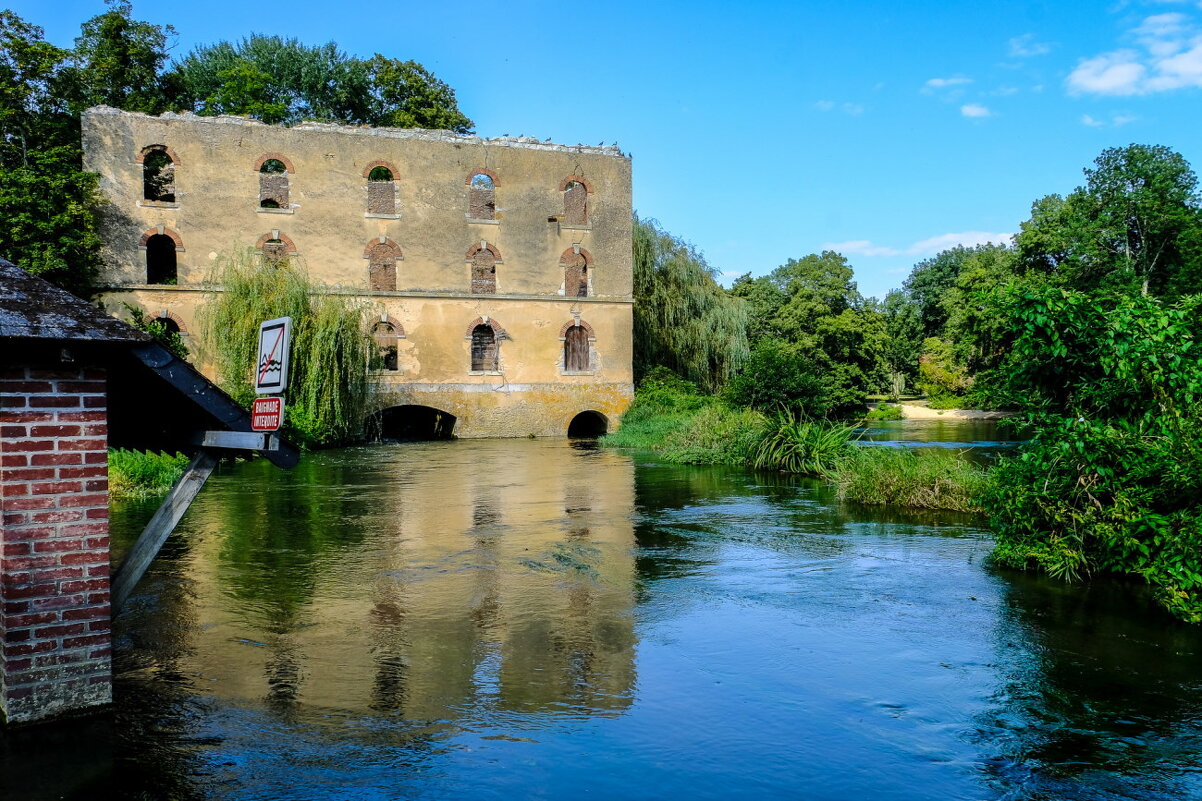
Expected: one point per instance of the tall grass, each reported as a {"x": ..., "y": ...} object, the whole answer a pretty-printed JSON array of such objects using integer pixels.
[
  {"x": 806, "y": 447},
  {"x": 138, "y": 474},
  {"x": 926, "y": 478}
]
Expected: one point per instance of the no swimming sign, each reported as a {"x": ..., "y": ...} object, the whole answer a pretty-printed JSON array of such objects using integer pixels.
[{"x": 271, "y": 369}]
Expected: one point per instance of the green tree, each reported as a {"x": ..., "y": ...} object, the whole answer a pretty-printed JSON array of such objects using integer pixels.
[
  {"x": 282, "y": 80},
  {"x": 1132, "y": 226},
  {"x": 683, "y": 319},
  {"x": 47, "y": 202},
  {"x": 931, "y": 280},
  {"x": 902, "y": 344},
  {"x": 118, "y": 61},
  {"x": 814, "y": 304}
]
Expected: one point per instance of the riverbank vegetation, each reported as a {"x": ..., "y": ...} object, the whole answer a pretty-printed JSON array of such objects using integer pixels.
[
  {"x": 143, "y": 474},
  {"x": 1086, "y": 327}
]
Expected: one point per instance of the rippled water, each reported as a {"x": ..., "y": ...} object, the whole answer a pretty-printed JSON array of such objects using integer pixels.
[{"x": 542, "y": 619}]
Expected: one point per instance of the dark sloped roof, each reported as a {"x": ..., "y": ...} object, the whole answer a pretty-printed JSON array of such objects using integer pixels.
[
  {"x": 156, "y": 401},
  {"x": 31, "y": 308}
]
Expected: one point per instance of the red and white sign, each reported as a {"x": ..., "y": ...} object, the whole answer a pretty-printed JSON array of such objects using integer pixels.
[{"x": 267, "y": 414}]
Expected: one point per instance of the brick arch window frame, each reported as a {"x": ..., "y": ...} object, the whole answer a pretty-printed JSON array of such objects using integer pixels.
[
  {"x": 498, "y": 334},
  {"x": 576, "y": 217},
  {"x": 289, "y": 248},
  {"x": 275, "y": 188},
  {"x": 175, "y": 318},
  {"x": 590, "y": 343},
  {"x": 386, "y": 342},
  {"x": 381, "y": 277},
  {"x": 381, "y": 195},
  {"x": 479, "y": 283},
  {"x": 481, "y": 203},
  {"x": 173, "y": 164},
  {"x": 144, "y": 245},
  {"x": 572, "y": 272}
]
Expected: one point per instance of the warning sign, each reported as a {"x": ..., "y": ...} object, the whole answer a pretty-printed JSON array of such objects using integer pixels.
[
  {"x": 271, "y": 369},
  {"x": 267, "y": 414}
]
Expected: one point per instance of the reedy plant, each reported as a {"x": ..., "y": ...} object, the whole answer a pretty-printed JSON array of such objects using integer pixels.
[{"x": 807, "y": 447}]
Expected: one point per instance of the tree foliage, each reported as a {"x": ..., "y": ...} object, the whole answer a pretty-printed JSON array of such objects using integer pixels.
[
  {"x": 1111, "y": 480},
  {"x": 683, "y": 319},
  {"x": 328, "y": 393},
  {"x": 813, "y": 305},
  {"x": 281, "y": 80},
  {"x": 47, "y": 203}
]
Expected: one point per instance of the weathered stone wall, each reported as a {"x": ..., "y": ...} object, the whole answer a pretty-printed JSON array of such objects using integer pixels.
[
  {"x": 334, "y": 222},
  {"x": 54, "y": 573}
]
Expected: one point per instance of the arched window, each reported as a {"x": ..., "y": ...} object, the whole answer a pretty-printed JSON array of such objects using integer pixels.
[
  {"x": 484, "y": 349},
  {"x": 575, "y": 350},
  {"x": 482, "y": 197},
  {"x": 381, "y": 271},
  {"x": 575, "y": 204},
  {"x": 385, "y": 357},
  {"x": 275, "y": 251},
  {"x": 273, "y": 184},
  {"x": 381, "y": 191},
  {"x": 158, "y": 175},
  {"x": 575, "y": 263},
  {"x": 160, "y": 260},
  {"x": 169, "y": 325},
  {"x": 484, "y": 260}
]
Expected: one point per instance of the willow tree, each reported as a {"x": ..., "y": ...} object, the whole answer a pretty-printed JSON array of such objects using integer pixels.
[
  {"x": 328, "y": 391},
  {"x": 683, "y": 319}
]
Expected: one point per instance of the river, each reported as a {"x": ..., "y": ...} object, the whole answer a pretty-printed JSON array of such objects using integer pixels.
[{"x": 545, "y": 619}]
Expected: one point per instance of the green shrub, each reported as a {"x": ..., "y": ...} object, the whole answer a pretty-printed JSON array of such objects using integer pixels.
[
  {"x": 139, "y": 474},
  {"x": 715, "y": 434},
  {"x": 781, "y": 375},
  {"x": 884, "y": 411},
  {"x": 926, "y": 478},
  {"x": 802, "y": 446}
]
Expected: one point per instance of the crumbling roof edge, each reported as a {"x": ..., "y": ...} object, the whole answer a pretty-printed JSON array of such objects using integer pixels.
[
  {"x": 420, "y": 134},
  {"x": 32, "y": 308}
]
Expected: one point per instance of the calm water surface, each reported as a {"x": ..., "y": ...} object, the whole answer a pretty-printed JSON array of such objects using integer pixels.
[{"x": 542, "y": 619}]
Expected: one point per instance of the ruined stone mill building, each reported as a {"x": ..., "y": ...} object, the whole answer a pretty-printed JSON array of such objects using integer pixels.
[{"x": 496, "y": 272}]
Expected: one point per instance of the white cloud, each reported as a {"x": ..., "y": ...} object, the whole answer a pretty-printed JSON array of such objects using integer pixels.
[
  {"x": 853, "y": 109},
  {"x": 926, "y": 247},
  {"x": 966, "y": 238},
  {"x": 1025, "y": 46},
  {"x": 1123, "y": 119},
  {"x": 975, "y": 110},
  {"x": 1091, "y": 122},
  {"x": 940, "y": 83},
  {"x": 1170, "y": 58},
  {"x": 860, "y": 247}
]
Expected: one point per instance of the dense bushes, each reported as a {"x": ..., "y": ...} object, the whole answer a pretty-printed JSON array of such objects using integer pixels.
[
  {"x": 138, "y": 474},
  {"x": 1111, "y": 480}
]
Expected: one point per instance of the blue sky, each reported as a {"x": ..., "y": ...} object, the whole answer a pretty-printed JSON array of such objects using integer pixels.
[{"x": 763, "y": 131}]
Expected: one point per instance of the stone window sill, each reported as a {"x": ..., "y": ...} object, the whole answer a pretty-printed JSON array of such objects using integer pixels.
[
  {"x": 157, "y": 204},
  {"x": 564, "y": 227},
  {"x": 262, "y": 210},
  {"x": 369, "y": 215},
  {"x": 482, "y": 222},
  {"x": 579, "y": 372},
  {"x": 484, "y": 372}
]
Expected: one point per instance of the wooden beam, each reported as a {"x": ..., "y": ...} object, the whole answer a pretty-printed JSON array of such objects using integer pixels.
[{"x": 160, "y": 527}]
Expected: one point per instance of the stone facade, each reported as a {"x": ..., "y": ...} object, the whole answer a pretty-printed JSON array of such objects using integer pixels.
[{"x": 485, "y": 263}]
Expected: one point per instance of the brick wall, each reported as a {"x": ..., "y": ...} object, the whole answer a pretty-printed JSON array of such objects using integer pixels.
[{"x": 54, "y": 570}]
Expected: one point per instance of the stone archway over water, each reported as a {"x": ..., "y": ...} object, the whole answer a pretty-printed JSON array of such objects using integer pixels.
[
  {"x": 413, "y": 423},
  {"x": 588, "y": 425}
]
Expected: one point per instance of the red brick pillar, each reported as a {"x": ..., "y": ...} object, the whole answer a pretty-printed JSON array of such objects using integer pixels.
[{"x": 54, "y": 565}]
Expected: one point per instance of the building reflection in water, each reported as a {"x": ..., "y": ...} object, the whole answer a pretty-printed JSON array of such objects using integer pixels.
[{"x": 435, "y": 582}]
